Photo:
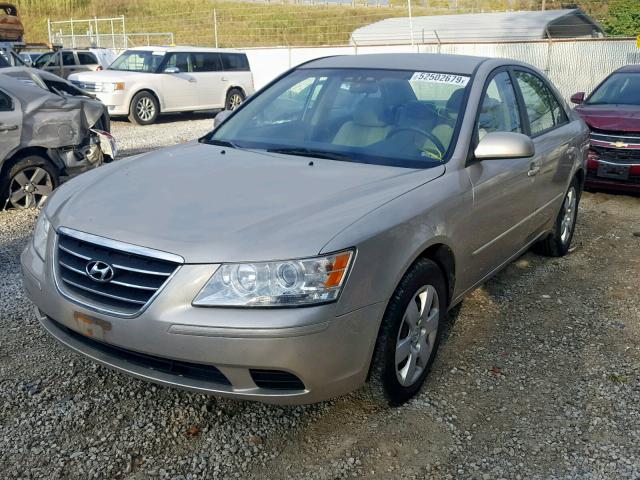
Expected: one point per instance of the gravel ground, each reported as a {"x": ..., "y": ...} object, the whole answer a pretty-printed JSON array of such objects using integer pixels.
[{"x": 538, "y": 377}]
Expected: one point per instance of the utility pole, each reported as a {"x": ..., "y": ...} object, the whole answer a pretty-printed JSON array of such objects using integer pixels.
[
  {"x": 410, "y": 22},
  {"x": 544, "y": 4}
]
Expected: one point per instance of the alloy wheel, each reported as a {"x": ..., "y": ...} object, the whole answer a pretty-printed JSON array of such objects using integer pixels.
[
  {"x": 234, "y": 101},
  {"x": 30, "y": 187},
  {"x": 417, "y": 335},
  {"x": 145, "y": 109},
  {"x": 569, "y": 215}
]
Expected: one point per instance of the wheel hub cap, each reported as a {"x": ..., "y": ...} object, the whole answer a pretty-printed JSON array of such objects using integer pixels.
[
  {"x": 417, "y": 335},
  {"x": 30, "y": 187}
]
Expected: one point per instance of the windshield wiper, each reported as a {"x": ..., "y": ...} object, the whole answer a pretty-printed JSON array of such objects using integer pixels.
[
  {"x": 221, "y": 143},
  {"x": 309, "y": 152}
]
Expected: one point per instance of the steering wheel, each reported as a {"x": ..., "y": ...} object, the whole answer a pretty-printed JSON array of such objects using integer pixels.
[{"x": 429, "y": 136}]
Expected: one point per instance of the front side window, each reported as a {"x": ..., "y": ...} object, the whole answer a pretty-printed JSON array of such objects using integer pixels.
[
  {"x": 499, "y": 108},
  {"x": 138, "y": 61},
  {"x": 180, "y": 60},
  {"x": 543, "y": 109},
  {"x": 43, "y": 59},
  {"x": 87, "y": 58},
  {"x": 618, "y": 89},
  {"x": 389, "y": 117}
]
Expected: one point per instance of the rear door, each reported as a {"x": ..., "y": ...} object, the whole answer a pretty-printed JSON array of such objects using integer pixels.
[
  {"x": 552, "y": 135},
  {"x": 503, "y": 190},
  {"x": 10, "y": 125},
  {"x": 236, "y": 72},
  {"x": 69, "y": 63},
  {"x": 207, "y": 68}
]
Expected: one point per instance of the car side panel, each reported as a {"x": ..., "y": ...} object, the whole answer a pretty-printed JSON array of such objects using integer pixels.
[
  {"x": 398, "y": 232},
  {"x": 10, "y": 136}
]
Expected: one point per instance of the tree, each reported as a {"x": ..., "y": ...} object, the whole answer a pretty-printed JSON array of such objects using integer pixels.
[{"x": 623, "y": 18}]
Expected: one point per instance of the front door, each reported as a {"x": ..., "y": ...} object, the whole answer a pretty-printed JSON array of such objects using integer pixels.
[
  {"x": 180, "y": 86},
  {"x": 10, "y": 126},
  {"x": 552, "y": 135},
  {"x": 503, "y": 189}
]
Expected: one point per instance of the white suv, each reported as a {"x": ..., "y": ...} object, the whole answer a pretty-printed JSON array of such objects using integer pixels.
[{"x": 143, "y": 82}]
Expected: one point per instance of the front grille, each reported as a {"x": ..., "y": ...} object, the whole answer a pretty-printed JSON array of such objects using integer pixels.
[
  {"x": 136, "y": 278},
  {"x": 87, "y": 86},
  {"x": 622, "y": 156},
  {"x": 276, "y": 380},
  {"x": 196, "y": 371},
  {"x": 615, "y": 140}
]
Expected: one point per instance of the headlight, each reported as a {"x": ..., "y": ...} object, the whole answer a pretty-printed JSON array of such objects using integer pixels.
[
  {"x": 40, "y": 235},
  {"x": 277, "y": 284},
  {"x": 111, "y": 87}
]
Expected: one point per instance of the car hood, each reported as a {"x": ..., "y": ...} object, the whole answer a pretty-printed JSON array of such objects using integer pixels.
[
  {"x": 621, "y": 118},
  {"x": 208, "y": 206},
  {"x": 105, "y": 76}
]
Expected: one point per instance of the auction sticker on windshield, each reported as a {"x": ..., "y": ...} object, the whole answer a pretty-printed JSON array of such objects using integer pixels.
[{"x": 449, "y": 78}]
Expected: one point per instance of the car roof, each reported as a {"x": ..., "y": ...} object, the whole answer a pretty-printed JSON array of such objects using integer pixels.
[
  {"x": 425, "y": 62},
  {"x": 185, "y": 48},
  {"x": 629, "y": 69}
]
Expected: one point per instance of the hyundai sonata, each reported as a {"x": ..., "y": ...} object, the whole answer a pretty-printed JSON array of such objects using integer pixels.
[{"x": 316, "y": 238}]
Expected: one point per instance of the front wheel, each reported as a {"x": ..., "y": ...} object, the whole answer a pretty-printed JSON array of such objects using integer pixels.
[
  {"x": 409, "y": 335},
  {"x": 558, "y": 242},
  {"x": 144, "y": 109}
]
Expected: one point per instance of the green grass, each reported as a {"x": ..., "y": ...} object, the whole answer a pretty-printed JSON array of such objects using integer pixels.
[{"x": 246, "y": 24}]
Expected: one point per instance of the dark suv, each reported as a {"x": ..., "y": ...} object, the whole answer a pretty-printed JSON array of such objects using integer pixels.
[{"x": 612, "y": 112}]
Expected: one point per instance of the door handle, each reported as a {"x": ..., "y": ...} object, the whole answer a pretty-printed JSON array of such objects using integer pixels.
[
  {"x": 8, "y": 128},
  {"x": 533, "y": 171},
  {"x": 192, "y": 80},
  {"x": 224, "y": 79}
]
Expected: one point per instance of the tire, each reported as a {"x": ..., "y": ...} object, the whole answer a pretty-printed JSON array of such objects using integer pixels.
[
  {"x": 27, "y": 182},
  {"x": 422, "y": 291},
  {"x": 144, "y": 109},
  {"x": 235, "y": 97},
  {"x": 558, "y": 242}
]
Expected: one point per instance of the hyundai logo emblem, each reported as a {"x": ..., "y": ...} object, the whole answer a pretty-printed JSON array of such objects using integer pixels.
[{"x": 99, "y": 271}]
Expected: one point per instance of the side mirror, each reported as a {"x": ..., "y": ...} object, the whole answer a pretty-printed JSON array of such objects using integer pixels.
[
  {"x": 577, "y": 98},
  {"x": 172, "y": 70},
  {"x": 503, "y": 145},
  {"x": 221, "y": 117}
]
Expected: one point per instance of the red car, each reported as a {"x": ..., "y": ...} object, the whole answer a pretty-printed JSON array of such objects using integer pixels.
[{"x": 612, "y": 112}]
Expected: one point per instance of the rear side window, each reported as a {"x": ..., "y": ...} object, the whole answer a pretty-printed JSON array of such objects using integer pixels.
[
  {"x": 235, "y": 62},
  {"x": 206, "y": 62},
  {"x": 5, "y": 102},
  {"x": 543, "y": 109},
  {"x": 87, "y": 58},
  {"x": 499, "y": 109}
]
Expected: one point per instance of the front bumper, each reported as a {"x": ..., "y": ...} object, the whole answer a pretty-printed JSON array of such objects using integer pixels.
[
  {"x": 116, "y": 102},
  {"x": 329, "y": 354}
]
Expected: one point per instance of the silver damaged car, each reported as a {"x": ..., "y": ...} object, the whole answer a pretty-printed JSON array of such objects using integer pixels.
[{"x": 315, "y": 240}]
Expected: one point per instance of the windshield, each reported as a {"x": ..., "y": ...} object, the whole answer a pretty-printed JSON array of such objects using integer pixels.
[
  {"x": 138, "y": 61},
  {"x": 387, "y": 117},
  {"x": 618, "y": 89}
]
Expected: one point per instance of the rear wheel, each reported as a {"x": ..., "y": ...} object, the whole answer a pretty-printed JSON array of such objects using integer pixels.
[
  {"x": 409, "y": 335},
  {"x": 558, "y": 242},
  {"x": 28, "y": 182},
  {"x": 235, "y": 97},
  {"x": 144, "y": 109}
]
